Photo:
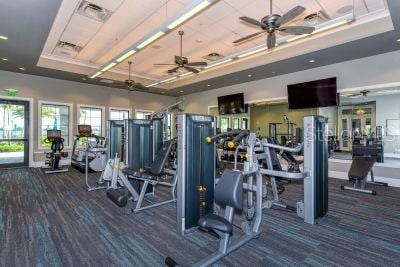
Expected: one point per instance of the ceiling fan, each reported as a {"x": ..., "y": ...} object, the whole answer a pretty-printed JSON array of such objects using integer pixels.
[
  {"x": 273, "y": 22},
  {"x": 365, "y": 93},
  {"x": 183, "y": 62},
  {"x": 131, "y": 84}
]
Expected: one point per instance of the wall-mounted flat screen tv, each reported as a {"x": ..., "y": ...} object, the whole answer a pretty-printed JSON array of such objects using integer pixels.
[
  {"x": 315, "y": 94},
  {"x": 231, "y": 104}
]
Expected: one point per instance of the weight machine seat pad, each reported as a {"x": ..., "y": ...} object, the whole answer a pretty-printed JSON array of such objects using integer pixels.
[
  {"x": 214, "y": 222},
  {"x": 161, "y": 158},
  {"x": 229, "y": 190},
  {"x": 360, "y": 167},
  {"x": 154, "y": 171}
]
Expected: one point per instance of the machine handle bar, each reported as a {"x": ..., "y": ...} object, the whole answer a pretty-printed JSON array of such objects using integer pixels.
[
  {"x": 296, "y": 149},
  {"x": 210, "y": 139}
]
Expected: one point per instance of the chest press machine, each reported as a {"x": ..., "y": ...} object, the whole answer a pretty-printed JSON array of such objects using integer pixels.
[{"x": 196, "y": 192}]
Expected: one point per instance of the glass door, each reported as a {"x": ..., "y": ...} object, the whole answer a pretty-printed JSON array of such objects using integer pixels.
[{"x": 14, "y": 133}]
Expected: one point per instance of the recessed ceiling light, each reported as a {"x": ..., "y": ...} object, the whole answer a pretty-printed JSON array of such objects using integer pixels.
[
  {"x": 162, "y": 92},
  {"x": 22, "y": 68},
  {"x": 311, "y": 60},
  {"x": 84, "y": 79},
  {"x": 180, "y": 91},
  {"x": 2, "y": 37},
  {"x": 398, "y": 40},
  {"x": 249, "y": 75},
  {"x": 273, "y": 72},
  {"x": 208, "y": 85},
  {"x": 4, "y": 59}
]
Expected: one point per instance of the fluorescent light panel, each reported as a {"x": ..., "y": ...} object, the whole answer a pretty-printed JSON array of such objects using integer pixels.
[
  {"x": 186, "y": 74},
  {"x": 2, "y": 37},
  {"x": 150, "y": 85},
  {"x": 95, "y": 75},
  {"x": 189, "y": 14},
  {"x": 109, "y": 66},
  {"x": 169, "y": 79},
  {"x": 151, "y": 39},
  {"x": 219, "y": 63},
  {"x": 252, "y": 52},
  {"x": 126, "y": 55}
]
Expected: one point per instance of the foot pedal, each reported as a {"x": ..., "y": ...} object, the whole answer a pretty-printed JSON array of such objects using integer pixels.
[
  {"x": 210, "y": 232},
  {"x": 170, "y": 262}
]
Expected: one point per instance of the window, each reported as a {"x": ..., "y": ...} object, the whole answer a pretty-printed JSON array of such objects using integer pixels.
[
  {"x": 143, "y": 114},
  {"x": 54, "y": 116},
  {"x": 235, "y": 123},
  {"x": 119, "y": 114},
  {"x": 224, "y": 124},
  {"x": 93, "y": 116},
  {"x": 245, "y": 123}
]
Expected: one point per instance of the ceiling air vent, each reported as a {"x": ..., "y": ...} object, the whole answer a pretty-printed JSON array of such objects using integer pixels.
[
  {"x": 315, "y": 18},
  {"x": 68, "y": 46},
  {"x": 66, "y": 49},
  {"x": 213, "y": 56},
  {"x": 93, "y": 11}
]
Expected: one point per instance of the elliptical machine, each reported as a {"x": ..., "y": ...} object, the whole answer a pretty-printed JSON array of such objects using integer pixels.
[{"x": 54, "y": 157}]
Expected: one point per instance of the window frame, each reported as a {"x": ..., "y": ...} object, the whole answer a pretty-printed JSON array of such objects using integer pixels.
[
  {"x": 119, "y": 109},
  {"x": 224, "y": 117},
  {"x": 143, "y": 111},
  {"x": 71, "y": 122},
  {"x": 103, "y": 119},
  {"x": 238, "y": 121}
]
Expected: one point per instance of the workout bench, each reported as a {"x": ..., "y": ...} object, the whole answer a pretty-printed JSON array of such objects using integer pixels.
[{"x": 358, "y": 174}]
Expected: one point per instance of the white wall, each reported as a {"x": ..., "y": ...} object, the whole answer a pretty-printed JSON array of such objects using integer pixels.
[
  {"x": 369, "y": 71},
  {"x": 48, "y": 89},
  {"x": 362, "y": 72}
]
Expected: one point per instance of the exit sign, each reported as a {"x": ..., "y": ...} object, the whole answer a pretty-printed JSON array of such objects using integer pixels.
[{"x": 11, "y": 92}]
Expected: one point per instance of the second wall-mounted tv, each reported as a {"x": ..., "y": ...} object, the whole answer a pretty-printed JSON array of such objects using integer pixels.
[
  {"x": 231, "y": 104},
  {"x": 314, "y": 94}
]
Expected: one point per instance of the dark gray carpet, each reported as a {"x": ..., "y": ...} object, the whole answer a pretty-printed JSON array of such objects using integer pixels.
[{"x": 50, "y": 220}]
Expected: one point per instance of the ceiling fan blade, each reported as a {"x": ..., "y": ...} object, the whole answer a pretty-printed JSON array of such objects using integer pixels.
[
  {"x": 178, "y": 60},
  {"x": 200, "y": 64},
  {"x": 296, "y": 30},
  {"x": 290, "y": 15},
  {"x": 252, "y": 21},
  {"x": 271, "y": 40},
  {"x": 173, "y": 70},
  {"x": 191, "y": 69},
  {"x": 247, "y": 37},
  {"x": 164, "y": 65}
]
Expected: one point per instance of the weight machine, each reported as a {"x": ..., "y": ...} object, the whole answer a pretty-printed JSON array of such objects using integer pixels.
[
  {"x": 196, "y": 193},
  {"x": 314, "y": 175}
]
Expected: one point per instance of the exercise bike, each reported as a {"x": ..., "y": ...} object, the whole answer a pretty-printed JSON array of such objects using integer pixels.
[{"x": 54, "y": 157}]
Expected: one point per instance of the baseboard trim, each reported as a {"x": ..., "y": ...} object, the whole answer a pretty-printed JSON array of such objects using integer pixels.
[{"x": 63, "y": 162}]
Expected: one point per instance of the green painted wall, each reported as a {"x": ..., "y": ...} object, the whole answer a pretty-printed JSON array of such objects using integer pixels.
[{"x": 261, "y": 116}]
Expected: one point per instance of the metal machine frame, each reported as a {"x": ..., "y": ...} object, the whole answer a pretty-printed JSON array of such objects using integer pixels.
[
  {"x": 315, "y": 174},
  {"x": 188, "y": 198}
]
